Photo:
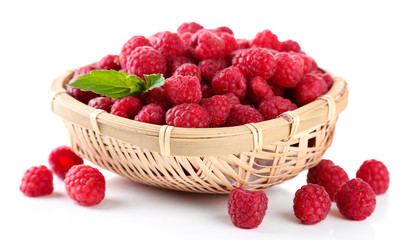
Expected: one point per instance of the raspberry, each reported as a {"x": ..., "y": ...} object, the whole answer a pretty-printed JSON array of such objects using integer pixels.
[
  {"x": 151, "y": 113},
  {"x": 232, "y": 99},
  {"x": 311, "y": 204},
  {"x": 186, "y": 38},
  {"x": 158, "y": 96},
  {"x": 355, "y": 199},
  {"x": 37, "y": 181},
  {"x": 259, "y": 89},
  {"x": 223, "y": 29},
  {"x": 126, "y": 107},
  {"x": 376, "y": 174},
  {"x": 129, "y": 46},
  {"x": 246, "y": 208},
  {"x": 109, "y": 62},
  {"x": 145, "y": 60},
  {"x": 209, "y": 67},
  {"x": 61, "y": 159},
  {"x": 326, "y": 77},
  {"x": 218, "y": 108},
  {"x": 104, "y": 103},
  {"x": 168, "y": 44},
  {"x": 82, "y": 96},
  {"x": 230, "y": 80},
  {"x": 243, "y": 43},
  {"x": 188, "y": 69},
  {"x": 331, "y": 178},
  {"x": 230, "y": 43},
  {"x": 313, "y": 172},
  {"x": 207, "y": 90},
  {"x": 243, "y": 114},
  {"x": 309, "y": 88},
  {"x": 290, "y": 45},
  {"x": 175, "y": 63},
  {"x": 191, "y": 27},
  {"x": 188, "y": 115},
  {"x": 85, "y": 184},
  {"x": 183, "y": 89},
  {"x": 272, "y": 107},
  {"x": 266, "y": 39},
  {"x": 289, "y": 70},
  {"x": 255, "y": 62},
  {"x": 309, "y": 63},
  {"x": 206, "y": 44}
]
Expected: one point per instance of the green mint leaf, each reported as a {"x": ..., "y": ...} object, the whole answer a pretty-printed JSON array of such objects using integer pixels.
[
  {"x": 154, "y": 81},
  {"x": 111, "y": 83}
]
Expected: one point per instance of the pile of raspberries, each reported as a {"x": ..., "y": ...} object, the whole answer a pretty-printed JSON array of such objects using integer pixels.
[{"x": 212, "y": 78}]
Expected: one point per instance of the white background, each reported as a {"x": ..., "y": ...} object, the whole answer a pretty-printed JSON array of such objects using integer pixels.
[{"x": 366, "y": 42}]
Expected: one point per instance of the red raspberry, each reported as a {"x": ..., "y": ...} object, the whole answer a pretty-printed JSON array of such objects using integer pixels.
[
  {"x": 290, "y": 45},
  {"x": 109, "y": 62},
  {"x": 259, "y": 89},
  {"x": 183, "y": 89},
  {"x": 37, "y": 181},
  {"x": 278, "y": 90},
  {"x": 230, "y": 80},
  {"x": 207, "y": 90},
  {"x": 255, "y": 62},
  {"x": 289, "y": 70},
  {"x": 175, "y": 63},
  {"x": 313, "y": 172},
  {"x": 218, "y": 108},
  {"x": 331, "y": 178},
  {"x": 206, "y": 44},
  {"x": 188, "y": 115},
  {"x": 186, "y": 38},
  {"x": 191, "y": 27},
  {"x": 126, "y": 107},
  {"x": 309, "y": 63},
  {"x": 266, "y": 39},
  {"x": 233, "y": 100},
  {"x": 223, "y": 29},
  {"x": 272, "y": 107},
  {"x": 129, "y": 46},
  {"x": 82, "y": 96},
  {"x": 145, "y": 60},
  {"x": 355, "y": 199},
  {"x": 326, "y": 76},
  {"x": 243, "y": 114},
  {"x": 209, "y": 67},
  {"x": 243, "y": 43},
  {"x": 376, "y": 174},
  {"x": 158, "y": 96},
  {"x": 188, "y": 69},
  {"x": 61, "y": 159},
  {"x": 168, "y": 44},
  {"x": 230, "y": 42},
  {"x": 309, "y": 88},
  {"x": 85, "y": 184},
  {"x": 247, "y": 208},
  {"x": 104, "y": 103},
  {"x": 151, "y": 113},
  {"x": 311, "y": 204}
]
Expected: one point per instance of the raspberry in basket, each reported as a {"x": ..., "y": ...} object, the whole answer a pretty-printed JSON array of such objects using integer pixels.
[
  {"x": 230, "y": 43},
  {"x": 258, "y": 88},
  {"x": 272, "y": 107},
  {"x": 104, "y": 103},
  {"x": 209, "y": 67},
  {"x": 82, "y": 96},
  {"x": 290, "y": 69},
  {"x": 206, "y": 44},
  {"x": 255, "y": 62},
  {"x": 331, "y": 178},
  {"x": 191, "y": 27},
  {"x": 243, "y": 114},
  {"x": 129, "y": 46},
  {"x": 188, "y": 115},
  {"x": 126, "y": 107},
  {"x": 376, "y": 174},
  {"x": 151, "y": 113},
  {"x": 313, "y": 172},
  {"x": 158, "y": 96},
  {"x": 247, "y": 208},
  {"x": 230, "y": 80},
  {"x": 290, "y": 46},
  {"x": 355, "y": 199},
  {"x": 266, "y": 39},
  {"x": 37, "y": 181},
  {"x": 145, "y": 60},
  {"x": 218, "y": 108},
  {"x": 183, "y": 89},
  {"x": 168, "y": 44},
  {"x": 309, "y": 88},
  {"x": 188, "y": 69},
  {"x": 311, "y": 204},
  {"x": 61, "y": 159},
  {"x": 85, "y": 185},
  {"x": 109, "y": 62}
]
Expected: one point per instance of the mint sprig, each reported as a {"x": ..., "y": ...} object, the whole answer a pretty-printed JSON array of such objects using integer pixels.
[{"x": 114, "y": 84}]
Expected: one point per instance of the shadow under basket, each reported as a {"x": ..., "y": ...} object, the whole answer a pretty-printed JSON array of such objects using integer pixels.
[{"x": 208, "y": 160}]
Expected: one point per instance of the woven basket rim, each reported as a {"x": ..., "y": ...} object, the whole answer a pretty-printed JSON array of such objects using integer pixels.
[{"x": 197, "y": 141}]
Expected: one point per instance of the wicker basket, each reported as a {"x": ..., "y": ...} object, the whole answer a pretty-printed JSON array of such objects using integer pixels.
[{"x": 211, "y": 160}]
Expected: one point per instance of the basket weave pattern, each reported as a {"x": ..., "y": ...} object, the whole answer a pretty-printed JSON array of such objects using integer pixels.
[{"x": 264, "y": 164}]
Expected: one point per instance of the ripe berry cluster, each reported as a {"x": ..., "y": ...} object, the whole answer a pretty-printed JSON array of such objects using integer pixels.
[
  {"x": 213, "y": 79},
  {"x": 355, "y": 198}
]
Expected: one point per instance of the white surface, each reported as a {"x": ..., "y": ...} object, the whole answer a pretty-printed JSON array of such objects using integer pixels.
[{"x": 364, "y": 42}]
